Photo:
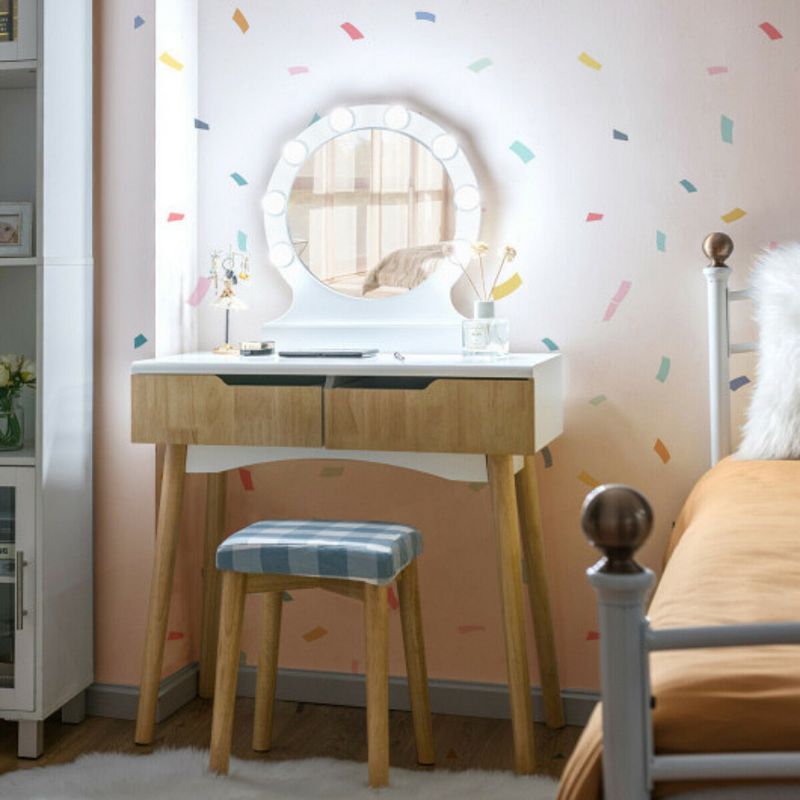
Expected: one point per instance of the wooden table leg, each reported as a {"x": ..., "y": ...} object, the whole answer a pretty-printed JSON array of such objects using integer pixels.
[
  {"x": 216, "y": 484},
  {"x": 169, "y": 515},
  {"x": 533, "y": 549},
  {"x": 506, "y": 523}
]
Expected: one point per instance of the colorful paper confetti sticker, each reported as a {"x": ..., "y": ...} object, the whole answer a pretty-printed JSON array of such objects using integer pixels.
[
  {"x": 287, "y": 598},
  {"x": 425, "y": 16},
  {"x": 661, "y": 241},
  {"x": 592, "y": 636},
  {"x": 550, "y": 344},
  {"x": 623, "y": 137},
  {"x": 738, "y": 382},
  {"x": 391, "y": 596},
  {"x": 315, "y": 633},
  {"x": 246, "y": 477},
  {"x": 504, "y": 289},
  {"x": 474, "y": 486},
  {"x": 200, "y": 125},
  {"x": 351, "y": 30},
  {"x": 524, "y": 152},
  {"x": 241, "y": 241},
  {"x": 471, "y": 628},
  {"x": 238, "y": 179},
  {"x": 138, "y": 22},
  {"x": 771, "y": 31},
  {"x": 688, "y": 185},
  {"x": 663, "y": 370},
  {"x": 175, "y": 216},
  {"x": 166, "y": 58},
  {"x": 200, "y": 290},
  {"x": 586, "y": 59},
  {"x": 241, "y": 21},
  {"x": 716, "y": 70},
  {"x": 331, "y": 472},
  {"x": 598, "y": 400},
  {"x": 733, "y": 215},
  {"x": 593, "y": 216},
  {"x": 173, "y": 636},
  {"x": 139, "y": 340},
  {"x": 661, "y": 450},
  {"x": 726, "y": 129},
  {"x": 315, "y": 118},
  {"x": 589, "y": 480},
  {"x": 298, "y": 70},
  {"x": 480, "y": 65},
  {"x": 547, "y": 456},
  {"x": 622, "y": 292},
  {"x": 354, "y": 666}
]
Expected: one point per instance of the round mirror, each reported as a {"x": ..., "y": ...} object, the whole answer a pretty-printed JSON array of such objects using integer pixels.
[{"x": 371, "y": 213}]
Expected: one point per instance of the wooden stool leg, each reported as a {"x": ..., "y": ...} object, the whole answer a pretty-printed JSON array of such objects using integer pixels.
[
  {"x": 533, "y": 548},
  {"x": 169, "y": 512},
  {"x": 271, "y": 605},
  {"x": 414, "y": 645},
  {"x": 216, "y": 485},
  {"x": 376, "y": 628},
  {"x": 230, "y": 634},
  {"x": 506, "y": 523}
]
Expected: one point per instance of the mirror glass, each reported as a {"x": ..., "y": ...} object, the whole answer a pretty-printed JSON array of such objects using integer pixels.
[{"x": 371, "y": 213}]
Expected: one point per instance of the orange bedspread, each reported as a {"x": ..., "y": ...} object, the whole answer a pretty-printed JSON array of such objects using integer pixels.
[{"x": 733, "y": 557}]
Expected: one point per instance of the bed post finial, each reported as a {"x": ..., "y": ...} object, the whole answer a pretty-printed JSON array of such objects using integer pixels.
[
  {"x": 718, "y": 247},
  {"x": 617, "y": 520}
]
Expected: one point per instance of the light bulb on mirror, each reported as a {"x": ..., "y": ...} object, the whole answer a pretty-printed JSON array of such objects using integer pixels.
[
  {"x": 295, "y": 152},
  {"x": 397, "y": 117},
  {"x": 467, "y": 198},
  {"x": 445, "y": 147},
  {"x": 274, "y": 203},
  {"x": 342, "y": 119},
  {"x": 281, "y": 255}
]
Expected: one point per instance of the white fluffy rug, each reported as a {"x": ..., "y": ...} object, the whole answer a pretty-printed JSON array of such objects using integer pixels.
[{"x": 181, "y": 775}]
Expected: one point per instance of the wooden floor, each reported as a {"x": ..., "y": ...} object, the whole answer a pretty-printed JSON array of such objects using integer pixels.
[{"x": 301, "y": 731}]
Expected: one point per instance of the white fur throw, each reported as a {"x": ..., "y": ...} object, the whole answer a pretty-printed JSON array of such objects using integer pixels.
[
  {"x": 407, "y": 267},
  {"x": 772, "y": 430}
]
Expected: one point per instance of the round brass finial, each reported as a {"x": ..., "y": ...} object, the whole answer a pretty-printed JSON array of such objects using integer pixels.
[
  {"x": 617, "y": 520},
  {"x": 718, "y": 247}
]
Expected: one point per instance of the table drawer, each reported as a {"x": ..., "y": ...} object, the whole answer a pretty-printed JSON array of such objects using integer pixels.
[
  {"x": 444, "y": 415},
  {"x": 208, "y": 409}
]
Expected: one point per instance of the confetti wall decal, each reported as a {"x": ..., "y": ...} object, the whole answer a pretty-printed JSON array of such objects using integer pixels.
[
  {"x": 474, "y": 486},
  {"x": 426, "y": 16},
  {"x": 298, "y": 70},
  {"x": 351, "y": 30},
  {"x": 238, "y": 179},
  {"x": 287, "y": 598},
  {"x": 550, "y": 344},
  {"x": 331, "y": 472},
  {"x": 662, "y": 451},
  {"x": 471, "y": 628},
  {"x": 733, "y": 215},
  {"x": 589, "y": 480},
  {"x": 480, "y": 65},
  {"x": 592, "y": 636},
  {"x": 175, "y": 216},
  {"x": 623, "y": 137},
  {"x": 598, "y": 400},
  {"x": 170, "y": 61},
  {"x": 173, "y": 636},
  {"x": 354, "y": 666},
  {"x": 624, "y": 288},
  {"x": 241, "y": 241},
  {"x": 138, "y": 22},
  {"x": 200, "y": 290},
  {"x": 507, "y": 287},
  {"x": 661, "y": 241},
  {"x": 315, "y": 633},
  {"x": 524, "y": 152},
  {"x": 593, "y": 216},
  {"x": 716, "y": 70},
  {"x": 246, "y": 477},
  {"x": 738, "y": 382},
  {"x": 726, "y": 129},
  {"x": 391, "y": 595},
  {"x": 315, "y": 118},
  {"x": 139, "y": 340},
  {"x": 241, "y": 21},
  {"x": 586, "y": 59},
  {"x": 200, "y": 125},
  {"x": 663, "y": 370},
  {"x": 547, "y": 456},
  {"x": 688, "y": 185},
  {"x": 771, "y": 31}
]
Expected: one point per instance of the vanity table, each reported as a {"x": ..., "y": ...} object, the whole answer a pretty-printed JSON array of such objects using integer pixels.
[{"x": 457, "y": 417}]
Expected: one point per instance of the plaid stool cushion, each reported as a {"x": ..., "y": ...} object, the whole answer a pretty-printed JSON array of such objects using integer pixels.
[{"x": 373, "y": 552}]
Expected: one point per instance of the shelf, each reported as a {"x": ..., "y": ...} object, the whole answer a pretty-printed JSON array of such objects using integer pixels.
[
  {"x": 18, "y": 262},
  {"x": 18, "y": 458},
  {"x": 17, "y": 74}
]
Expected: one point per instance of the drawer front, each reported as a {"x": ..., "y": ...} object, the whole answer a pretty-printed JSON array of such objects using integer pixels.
[
  {"x": 447, "y": 416},
  {"x": 203, "y": 409}
]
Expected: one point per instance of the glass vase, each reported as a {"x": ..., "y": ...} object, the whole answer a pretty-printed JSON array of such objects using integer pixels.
[
  {"x": 12, "y": 425},
  {"x": 485, "y": 334}
]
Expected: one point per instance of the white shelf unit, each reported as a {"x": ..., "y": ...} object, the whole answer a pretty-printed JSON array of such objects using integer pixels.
[{"x": 46, "y": 312}]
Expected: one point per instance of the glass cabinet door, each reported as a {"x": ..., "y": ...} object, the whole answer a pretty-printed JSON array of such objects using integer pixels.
[{"x": 16, "y": 621}]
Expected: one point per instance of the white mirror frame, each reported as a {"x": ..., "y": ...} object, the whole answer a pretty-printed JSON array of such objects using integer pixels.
[{"x": 421, "y": 320}]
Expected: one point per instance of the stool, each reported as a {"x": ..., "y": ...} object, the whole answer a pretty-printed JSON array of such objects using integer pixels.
[{"x": 355, "y": 559}]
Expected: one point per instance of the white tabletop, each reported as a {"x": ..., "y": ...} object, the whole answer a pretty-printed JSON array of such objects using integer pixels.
[{"x": 516, "y": 365}]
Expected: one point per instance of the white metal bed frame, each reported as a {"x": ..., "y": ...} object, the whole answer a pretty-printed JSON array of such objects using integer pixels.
[{"x": 617, "y": 520}]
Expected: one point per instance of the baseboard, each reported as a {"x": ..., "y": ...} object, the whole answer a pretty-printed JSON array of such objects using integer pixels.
[{"x": 336, "y": 689}]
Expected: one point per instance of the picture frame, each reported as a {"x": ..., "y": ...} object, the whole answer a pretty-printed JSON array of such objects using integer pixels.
[
  {"x": 16, "y": 230},
  {"x": 18, "y": 30}
]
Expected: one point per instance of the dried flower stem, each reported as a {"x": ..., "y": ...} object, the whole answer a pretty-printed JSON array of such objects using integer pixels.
[
  {"x": 471, "y": 282},
  {"x": 497, "y": 276}
]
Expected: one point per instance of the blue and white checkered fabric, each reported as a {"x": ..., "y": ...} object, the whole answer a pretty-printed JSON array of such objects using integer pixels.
[{"x": 374, "y": 552}]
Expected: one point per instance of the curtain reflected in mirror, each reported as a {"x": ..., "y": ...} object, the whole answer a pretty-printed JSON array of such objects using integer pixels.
[{"x": 371, "y": 213}]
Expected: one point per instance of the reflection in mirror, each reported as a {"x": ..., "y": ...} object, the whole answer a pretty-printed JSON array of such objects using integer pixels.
[{"x": 371, "y": 213}]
